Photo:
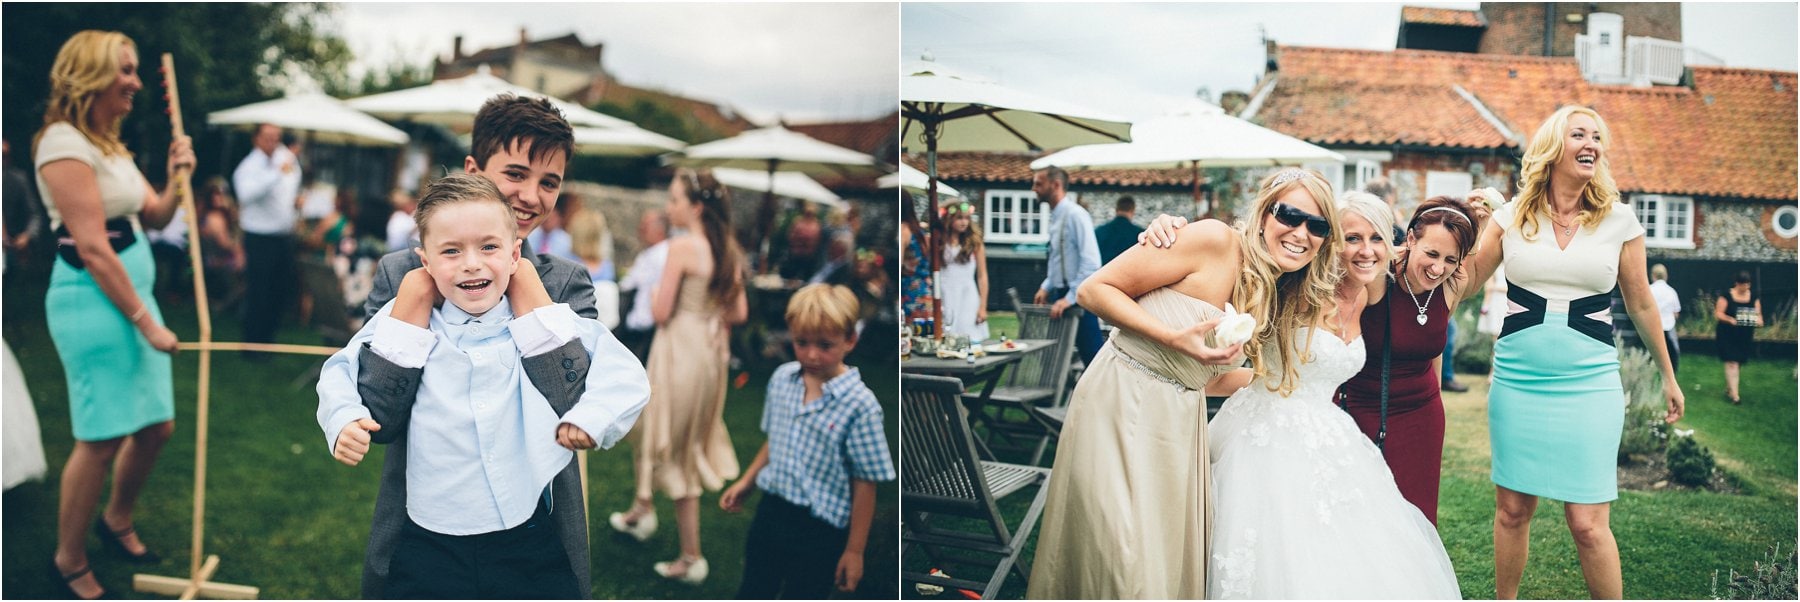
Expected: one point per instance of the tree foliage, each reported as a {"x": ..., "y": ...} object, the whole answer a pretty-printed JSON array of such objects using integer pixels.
[{"x": 226, "y": 55}]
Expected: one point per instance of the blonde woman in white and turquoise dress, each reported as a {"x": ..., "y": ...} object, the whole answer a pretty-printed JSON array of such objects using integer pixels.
[
  {"x": 1556, "y": 409},
  {"x": 1128, "y": 513},
  {"x": 101, "y": 315}
]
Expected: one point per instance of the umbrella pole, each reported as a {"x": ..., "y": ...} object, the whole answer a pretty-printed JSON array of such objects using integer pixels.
[
  {"x": 936, "y": 242},
  {"x": 765, "y": 220}
]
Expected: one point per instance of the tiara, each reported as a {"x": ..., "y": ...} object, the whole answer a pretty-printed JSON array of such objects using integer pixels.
[{"x": 1287, "y": 175}]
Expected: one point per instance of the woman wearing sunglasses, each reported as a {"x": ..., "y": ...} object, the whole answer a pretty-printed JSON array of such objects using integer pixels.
[
  {"x": 1295, "y": 476},
  {"x": 1555, "y": 412},
  {"x": 1128, "y": 514}
]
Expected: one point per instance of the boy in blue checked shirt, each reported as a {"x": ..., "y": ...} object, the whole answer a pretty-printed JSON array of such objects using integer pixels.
[
  {"x": 483, "y": 441},
  {"x": 819, "y": 467}
]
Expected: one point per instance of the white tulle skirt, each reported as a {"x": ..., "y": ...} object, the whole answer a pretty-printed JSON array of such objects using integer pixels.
[
  {"x": 23, "y": 449},
  {"x": 1306, "y": 508}
]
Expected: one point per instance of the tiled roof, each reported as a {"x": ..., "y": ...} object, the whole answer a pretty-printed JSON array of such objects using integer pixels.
[
  {"x": 1337, "y": 96},
  {"x": 1010, "y": 168},
  {"x": 1440, "y": 16},
  {"x": 875, "y": 136},
  {"x": 1732, "y": 135}
]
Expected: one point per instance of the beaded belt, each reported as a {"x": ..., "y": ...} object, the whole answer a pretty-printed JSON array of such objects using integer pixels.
[{"x": 1130, "y": 361}]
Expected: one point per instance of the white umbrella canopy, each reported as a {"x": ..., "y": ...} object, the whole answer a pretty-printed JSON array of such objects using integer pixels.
[
  {"x": 1202, "y": 136},
  {"x": 789, "y": 184},
  {"x": 913, "y": 181},
  {"x": 627, "y": 141},
  {"x": 776, "y": 148},
  {"x": 454, "y": 102},
  {"x": 943, "y": 110},
  {"x": 980, "y": 115},
  {"x": 329, "y": 120}
]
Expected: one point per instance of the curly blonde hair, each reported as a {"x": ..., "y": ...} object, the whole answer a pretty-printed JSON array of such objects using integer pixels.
[
  {"x": 87, "y": 64},
  {"x": 1283, "y": 303},
  {"x": 1536, "y": 167}
]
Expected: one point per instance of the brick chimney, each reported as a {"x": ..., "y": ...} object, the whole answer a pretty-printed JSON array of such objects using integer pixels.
[{"x": 456, "y": 48}]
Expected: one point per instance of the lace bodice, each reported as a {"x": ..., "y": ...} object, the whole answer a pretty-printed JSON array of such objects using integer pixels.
[
  {"x": 1176, "y": 310},
  {"x": 1327, "y": 363}
]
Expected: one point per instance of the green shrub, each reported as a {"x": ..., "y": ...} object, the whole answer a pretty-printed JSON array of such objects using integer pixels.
[
  {"x": 1771, "y": 579},
  {"x": 1645, "y": 432},
  {"x": 1474, "y": 349},
  {"x": 1690, "y": 463}
]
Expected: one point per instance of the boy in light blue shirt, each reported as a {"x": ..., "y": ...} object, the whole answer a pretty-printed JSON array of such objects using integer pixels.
[
  {"x": 826, "y": 450},
  {"x": 483, "y": 441}
]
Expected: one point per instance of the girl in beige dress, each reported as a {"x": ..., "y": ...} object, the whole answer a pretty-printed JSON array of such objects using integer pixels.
[
  {"x": 681, "y": 447},
  {"x": 1129, "y": 510}
]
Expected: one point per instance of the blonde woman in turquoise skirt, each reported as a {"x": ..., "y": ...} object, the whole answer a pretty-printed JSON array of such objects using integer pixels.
[
  {"x": 101, "y": 314},
  {"x": 1556, "y": 409}
]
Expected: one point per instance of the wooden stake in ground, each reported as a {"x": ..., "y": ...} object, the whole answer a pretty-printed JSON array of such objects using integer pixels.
[{"x": 198, "y": 582}]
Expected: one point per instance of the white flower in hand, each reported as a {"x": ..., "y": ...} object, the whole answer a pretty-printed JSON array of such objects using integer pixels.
[
  {"x": 1234, "y": 328},
  {"x": 1491, "y": 198}
]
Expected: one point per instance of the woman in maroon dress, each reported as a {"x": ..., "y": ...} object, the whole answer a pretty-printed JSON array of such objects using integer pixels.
[{"x": 1408, "y": 314}]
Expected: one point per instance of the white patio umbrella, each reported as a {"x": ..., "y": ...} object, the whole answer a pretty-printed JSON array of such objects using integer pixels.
[
  {"x": 913, "y": 181},
  {"x": 791, "y": 184},
  {"x": 951, "y": 111},
  {"x": 1201, "y": 135},
  {"x": 774, "y": 149},
  {"x": 328, "y": 120},
  {"x": 454, "y": 102},
  {"x": 627, "y": 141}
]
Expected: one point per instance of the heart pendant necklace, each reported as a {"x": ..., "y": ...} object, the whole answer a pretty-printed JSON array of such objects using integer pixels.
[{"x": 1415, "y": 297}]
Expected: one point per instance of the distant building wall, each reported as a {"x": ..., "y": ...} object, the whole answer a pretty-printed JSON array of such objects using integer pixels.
[{"x": 1518, "y": 28}]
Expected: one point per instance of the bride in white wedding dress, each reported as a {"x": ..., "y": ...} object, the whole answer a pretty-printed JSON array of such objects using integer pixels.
[{"x": 1305, "y": 506}]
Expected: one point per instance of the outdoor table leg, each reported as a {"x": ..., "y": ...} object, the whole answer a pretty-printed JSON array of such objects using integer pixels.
[{"x": 991, "y": 382}]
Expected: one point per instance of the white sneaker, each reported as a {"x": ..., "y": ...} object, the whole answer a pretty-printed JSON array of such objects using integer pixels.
[
  {"x": 694, "y": 575},
  {"x": 645, "y": 527}
]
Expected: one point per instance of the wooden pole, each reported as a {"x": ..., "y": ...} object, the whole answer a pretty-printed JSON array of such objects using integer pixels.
[
  {"x": 199, "y": 574},
  {"x": 934, "y": 246},
  {"x": 263, "y": 347}
]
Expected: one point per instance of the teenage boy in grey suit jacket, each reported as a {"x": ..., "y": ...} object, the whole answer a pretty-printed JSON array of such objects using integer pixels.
[{"x": 522, "y": 146}]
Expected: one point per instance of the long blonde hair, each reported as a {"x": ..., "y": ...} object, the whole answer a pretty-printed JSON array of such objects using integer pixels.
[
  {"x": 1536, "y": 167},
  {"x": 588, "y": 236},
  {"x": 1283, "y": 303},
  {"x": 970, "y": 239},
  {"x": 87, "y": 64}
]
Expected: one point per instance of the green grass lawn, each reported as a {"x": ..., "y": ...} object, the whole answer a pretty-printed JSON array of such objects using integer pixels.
[
  {"x": 1670, "y": 542},
  {"x": 285, "y": 517}
]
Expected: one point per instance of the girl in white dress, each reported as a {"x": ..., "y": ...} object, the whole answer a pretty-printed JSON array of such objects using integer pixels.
[{"x": 964, "y": 274}]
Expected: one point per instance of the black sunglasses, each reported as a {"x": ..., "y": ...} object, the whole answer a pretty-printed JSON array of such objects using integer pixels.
[{"x": 1292, "y": 218}]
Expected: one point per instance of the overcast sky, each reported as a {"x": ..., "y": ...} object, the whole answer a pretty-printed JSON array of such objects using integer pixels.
[
  {"x": 1136, "y": 60},
  {"x": 805, "y": 62}
]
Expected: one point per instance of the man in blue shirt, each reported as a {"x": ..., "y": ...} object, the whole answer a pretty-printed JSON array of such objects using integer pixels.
[{"x": 1073, "y": 257}]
